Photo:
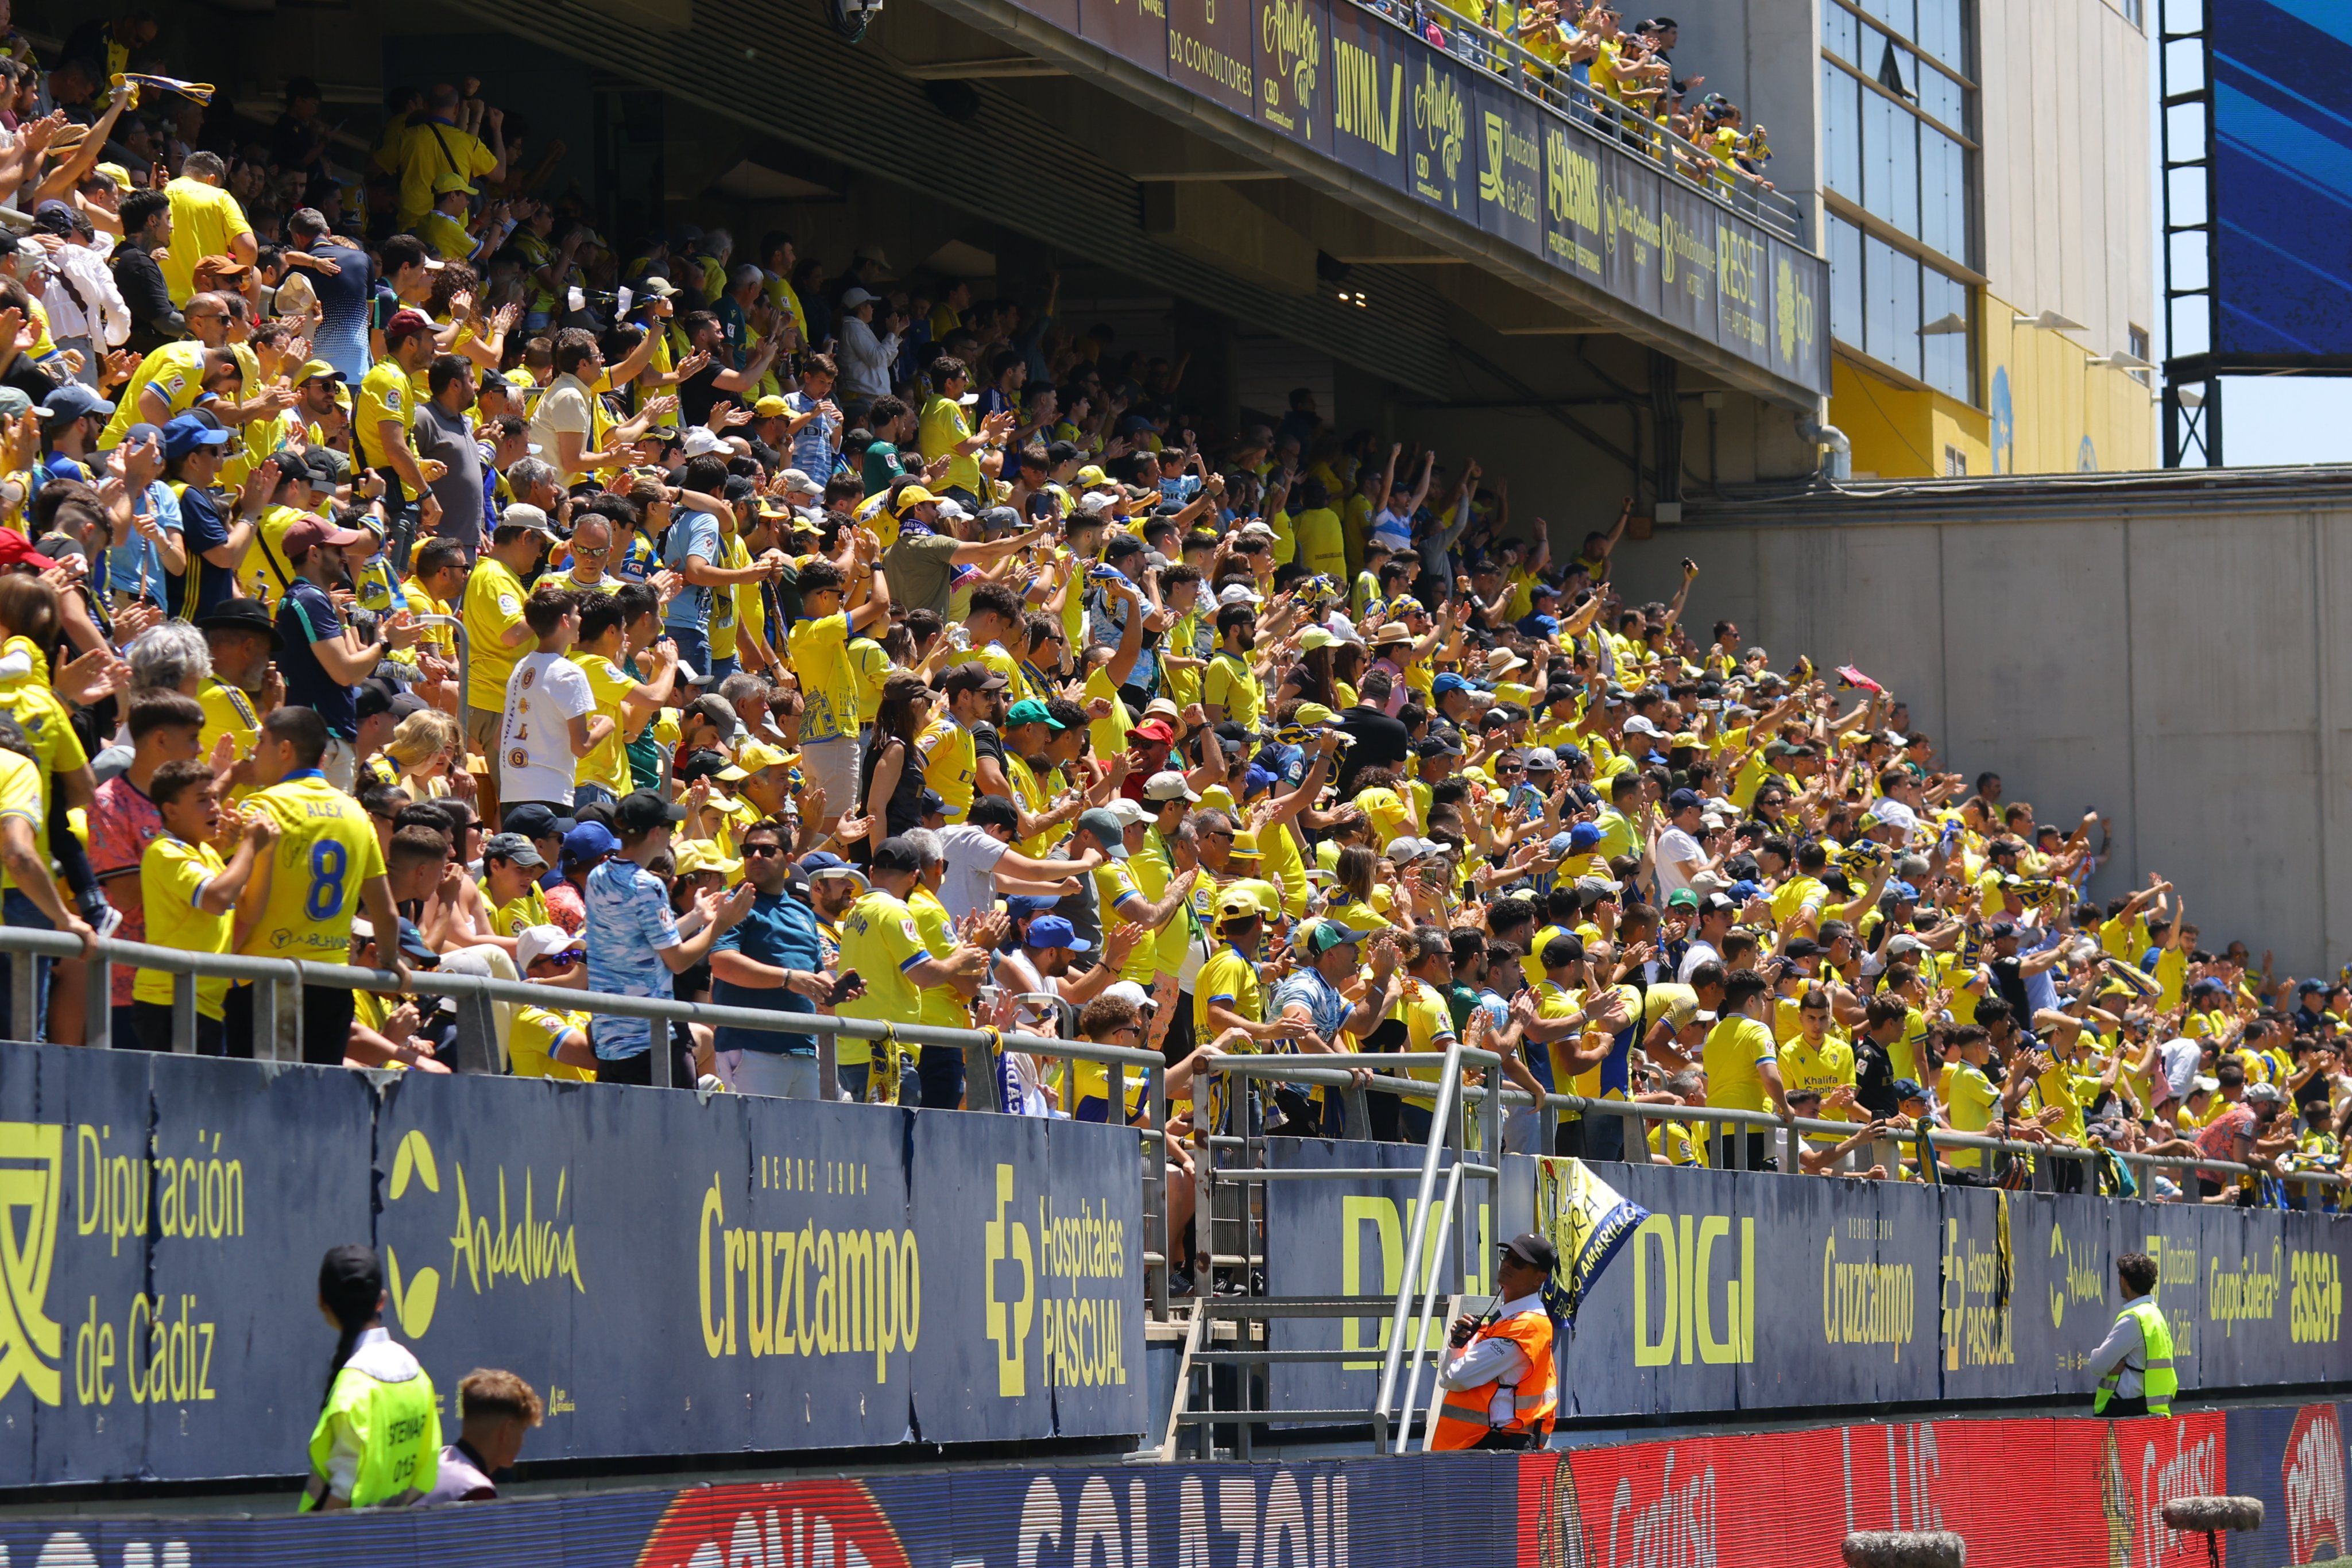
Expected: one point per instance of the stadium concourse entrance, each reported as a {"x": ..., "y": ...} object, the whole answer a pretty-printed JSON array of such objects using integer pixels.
[{"x": 951, "y": 156}]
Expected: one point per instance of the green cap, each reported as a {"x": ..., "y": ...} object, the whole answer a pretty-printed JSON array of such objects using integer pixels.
[{"x": 1031, "y": 711}]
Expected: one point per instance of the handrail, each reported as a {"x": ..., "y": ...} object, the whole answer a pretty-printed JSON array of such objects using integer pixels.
[
  {"x": 1556, "y": 88},
  {"x": 1449, "y": 1082}
]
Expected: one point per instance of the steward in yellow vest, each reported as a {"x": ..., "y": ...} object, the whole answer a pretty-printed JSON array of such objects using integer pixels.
[{"x": 378, "y": 1441}]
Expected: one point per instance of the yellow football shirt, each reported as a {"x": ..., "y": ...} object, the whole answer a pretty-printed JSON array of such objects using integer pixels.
[
  {"x": 172, "y": 873},
  {"x": 820, "y": 657},
  {"x": 494, "y": 597},
  {"x": 949, "y": 761},
  {"x": 510, "y": 918},
  {"x": 531, "y": 1045},
  {"x": 384, "y": 395},
  {"x": 227, "y": 711},
  {"x": 175, "y": 371},
  {"x": 205, "y": 220},
  {"x": 1229, "y": 680},
  {"x": 879, "y": 940},
  {"x": 326, "y": 850}
]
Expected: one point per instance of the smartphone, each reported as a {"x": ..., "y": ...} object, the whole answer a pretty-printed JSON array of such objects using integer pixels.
[{"x": 844, "y": 988}]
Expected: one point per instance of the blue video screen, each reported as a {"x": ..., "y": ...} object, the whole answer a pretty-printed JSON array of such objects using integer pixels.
[{"x": 2281, "y": 177}]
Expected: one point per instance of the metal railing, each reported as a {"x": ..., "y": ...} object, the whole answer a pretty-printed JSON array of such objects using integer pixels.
[
  {"x": 277, "y": 1023},
  {"x": 1558, "y": 90},
  {"x": 1469, "y": 1128}
]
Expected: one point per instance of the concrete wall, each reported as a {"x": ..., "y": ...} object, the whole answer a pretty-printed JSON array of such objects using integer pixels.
[{"x": 2174, "y": 660}]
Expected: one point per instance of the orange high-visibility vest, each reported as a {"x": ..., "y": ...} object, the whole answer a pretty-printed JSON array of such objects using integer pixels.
[{"x": 1467, "y": 1413}]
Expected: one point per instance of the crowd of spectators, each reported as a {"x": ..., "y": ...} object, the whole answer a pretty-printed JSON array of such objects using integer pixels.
[{"x": 403, "y": 574}]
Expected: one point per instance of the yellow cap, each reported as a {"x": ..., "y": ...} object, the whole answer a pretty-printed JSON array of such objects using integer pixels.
[
  {"x": 914, "y": 496},
  {"x": 1244, "y": 845},
  {"x": 448, "y": 183},
  {"x": 692, "y": 855},
  {"x": 1238, "y": 903},
  {"x": 771, "y": 408}
]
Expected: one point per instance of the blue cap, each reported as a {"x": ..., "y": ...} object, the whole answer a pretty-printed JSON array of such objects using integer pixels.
[
  {"x": 143, "y": 432},
  {"x": 929, "y": 801},
  {"x": 1023, "y": 906},
  {"x": 589, "y": 841},
  {"x": 822, "y": 860},
  {"x": 412, "y": 942},
  {"x": 1542, "y": 591},
  {"x": 1446, "y": 685},
  {"x": 1744, "y": 890},
  {"x": 188, "y": 432},
  {"x": 71, "y": 400},
  {"x": 1561, "y": 843},
  {"x": 1903, "y": 892},
  {"x": 1569, "y": 757},
  {"x": 1683, "y": 801},
  {"x": 1257, "y": 779},
  {"x": 1053, "y": 931},
  {"x": 1582, "y": 837}
]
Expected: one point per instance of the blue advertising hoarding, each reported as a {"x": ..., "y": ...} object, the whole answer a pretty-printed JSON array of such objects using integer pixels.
[
  {"x": 2281, "y": 179},
  {"x": 676, "y": 1273}
]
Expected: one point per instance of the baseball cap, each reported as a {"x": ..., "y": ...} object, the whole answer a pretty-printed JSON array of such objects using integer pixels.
[
  {"x": 897, "y": 854},
  {"x": 533, "y": 820},
  {"x": 2266, "y": 1093},
  {"x": 1155, "y": 729},
  {"x": 71, "y": 400},
  {"x": 1167, "y": 786},
  {"x": 1055, "y": 931},
  {"x": 1581, "y": 838},
  {"x": 533, "y": 943},
  {"x": 774, "y": 407},
  {"x": 642, "y": 810},
  {"x": 1447, "y": 683},
  {"x": 1128, "y": 812},
  {"x": 931, "y": 803},
  {"x": 1683, "y": 898},
  {"x": 406, "y": 324},
  {"x": 913, "y": 496},
  {"x": 1542, "y": 759},
  {"x": 1683, "y": 801},
  {"x": 1029, "y": 710},
  {"x": 588, "y": 841},
  {"x": 306, "y": 534},
  {"x": 512, "y": 847},
  {"x": 823, "y": 862},
  {"x": 1238, "y": 903},
  {"x": 1534, "y": 1249},
  {"x": 1106, "y": 828},
  {"x": 188, "y": 432},
  {"x": 698, "y": 442},
  {"x": 1330, "y": 934}
]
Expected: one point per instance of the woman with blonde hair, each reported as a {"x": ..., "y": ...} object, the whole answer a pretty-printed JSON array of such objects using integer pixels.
[{"x": 421, "y": 747}]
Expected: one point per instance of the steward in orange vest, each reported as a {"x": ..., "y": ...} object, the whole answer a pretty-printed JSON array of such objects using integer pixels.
[{"x": 1501, "y": 1381}]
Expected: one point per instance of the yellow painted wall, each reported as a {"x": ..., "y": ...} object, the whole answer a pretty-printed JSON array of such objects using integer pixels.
[{"x": 2043, "y": 401}]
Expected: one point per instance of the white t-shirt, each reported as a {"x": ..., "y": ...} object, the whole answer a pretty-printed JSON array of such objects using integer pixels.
[
  {"x": 562, "y": 406},
  {"x": 1701, "y": 951},
  {"x": 970, "y": 881},
  {"x": 1677, "y": 846},
  {"x": 544, "y": 695}
]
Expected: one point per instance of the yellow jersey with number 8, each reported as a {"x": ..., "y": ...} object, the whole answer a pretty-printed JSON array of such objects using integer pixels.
[{"x": 326, "y": 850}]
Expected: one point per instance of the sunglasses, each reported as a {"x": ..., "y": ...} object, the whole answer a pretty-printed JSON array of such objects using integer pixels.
[{"x": 764, "y": 851}]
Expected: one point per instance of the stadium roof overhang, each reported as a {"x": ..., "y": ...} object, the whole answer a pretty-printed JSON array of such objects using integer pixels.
[{"x": 969, "y": 101}]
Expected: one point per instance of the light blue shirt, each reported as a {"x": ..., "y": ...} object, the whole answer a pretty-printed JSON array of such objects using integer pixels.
[
  {"x": 691, "y": 533},
  {"x": 629, "y": 922},
  {"x": 135, "y": 566},
  {"x": 812, "y": 443}
]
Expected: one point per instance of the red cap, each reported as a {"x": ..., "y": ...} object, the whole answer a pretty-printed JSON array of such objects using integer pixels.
[
  {"x": 15, "y": 550},
  {"x": 1155, "y": 729},
  {"x": 404, "y": 323},
  {"x": 305, "y": 534}
]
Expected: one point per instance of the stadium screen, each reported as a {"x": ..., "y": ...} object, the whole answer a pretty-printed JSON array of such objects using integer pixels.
[{"x": 2282, "y": 178}]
